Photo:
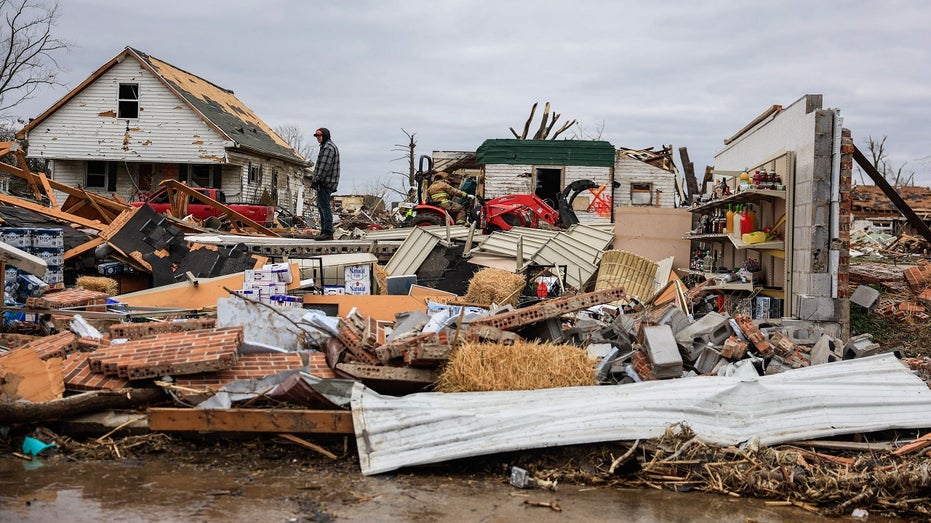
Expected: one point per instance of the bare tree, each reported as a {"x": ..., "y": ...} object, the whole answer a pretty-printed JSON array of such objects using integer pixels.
[
  {"x": 546, "y": 125},
  {"x": 879, "y": 157},
  {"x": 410, "y": 150},
  {"x": 29, "y": 49},
  {"x": 294, "y": 135}
]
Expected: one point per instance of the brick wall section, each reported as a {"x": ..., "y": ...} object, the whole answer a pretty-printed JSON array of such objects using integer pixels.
[
  {"x": 78, "y": 376},
  {"x": 845, "y": 215},
  {"x": 55, "y": 346},
  {"x": 70, "y": 298},
  {"x": 138, "y": 330},
  {"x": 15, "y": 341},
  {"x": 170, "y": 354},
  {"x": 255, "y": 366}
]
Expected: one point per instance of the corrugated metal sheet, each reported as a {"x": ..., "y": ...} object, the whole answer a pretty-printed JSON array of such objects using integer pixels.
[
  {"x": 412, "y": 253},
  {"x": 456, "y": 232},
  {"x": 579, "y": 248},
  {"x": 545, "y": 152},
  {"x": 862, "y": 395}
]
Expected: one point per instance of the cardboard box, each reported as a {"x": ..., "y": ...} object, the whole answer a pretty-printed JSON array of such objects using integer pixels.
[{"x": 358, "y": 279}]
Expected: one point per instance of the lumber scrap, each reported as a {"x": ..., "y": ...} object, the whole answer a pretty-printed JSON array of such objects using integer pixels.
[
  {"x": 77, "y": 405},
  {"x": 278, "y": 421}
]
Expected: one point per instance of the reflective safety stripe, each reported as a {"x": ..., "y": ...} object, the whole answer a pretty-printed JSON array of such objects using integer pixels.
[{"x": 440, "y": 196}]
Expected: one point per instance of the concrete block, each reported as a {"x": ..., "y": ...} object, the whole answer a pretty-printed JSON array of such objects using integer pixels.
[
  {"x": 820, "y": 284},
  {"x": 712, "y": 328},
  {"x": 815, "y": 308},
  {"x": 708, "y": 360},
  {"x": 860, "y": 347},
  {"x": 824, "y": 350},
  {"x": 865, "y": 296},
  {"x": 663, "y": 351},
  {"x": 675, "y": 318},
  {"x": 603, "y": 370},
  {"x": 407, "y": 324}
]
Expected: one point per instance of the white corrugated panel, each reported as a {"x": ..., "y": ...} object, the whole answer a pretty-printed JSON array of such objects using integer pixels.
[{"x": 862, "y": 395}]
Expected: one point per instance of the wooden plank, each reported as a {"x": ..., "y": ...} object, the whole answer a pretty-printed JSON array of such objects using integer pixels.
[
  {"x": 53, "y": 213},
  {"x": 81, "y": 249},
  {"x": 285, "y": 421}
]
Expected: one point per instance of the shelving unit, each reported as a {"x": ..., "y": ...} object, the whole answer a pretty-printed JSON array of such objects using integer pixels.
[{"x": 769, "y": 204}]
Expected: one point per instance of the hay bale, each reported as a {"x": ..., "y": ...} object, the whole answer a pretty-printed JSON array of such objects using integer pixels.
[
  {"x": 381, "y": 279},
  {"x": 523, "y": 366},
  {"x": 498, "y": 286},
  {"x": 99, "y": 284}
]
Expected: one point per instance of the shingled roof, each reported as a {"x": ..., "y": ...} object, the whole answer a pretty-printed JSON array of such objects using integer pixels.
[
  {"x": 869, "y": 201},
  {"x": 218, "y": 107}
]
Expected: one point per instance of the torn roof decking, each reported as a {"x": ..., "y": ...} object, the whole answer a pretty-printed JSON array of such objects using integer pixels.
[{"x": 869, "y": 201}]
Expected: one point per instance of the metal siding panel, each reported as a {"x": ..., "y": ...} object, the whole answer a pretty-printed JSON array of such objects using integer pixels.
[{"x": 865, "y": 394}]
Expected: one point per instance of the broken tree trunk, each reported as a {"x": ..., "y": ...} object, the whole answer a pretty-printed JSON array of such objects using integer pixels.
[{"x": 73, "y": 406}]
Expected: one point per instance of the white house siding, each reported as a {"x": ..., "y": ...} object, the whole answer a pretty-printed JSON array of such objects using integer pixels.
[
  {"x": 236, "y": 180},
  {"x": 502, "y": 179},
  {"x": 628, "y": 171},
  {"x": 86, "y": 127}
]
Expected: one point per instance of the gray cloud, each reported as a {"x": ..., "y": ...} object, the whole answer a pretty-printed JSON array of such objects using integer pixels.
[{"x": 459, "y": 72}]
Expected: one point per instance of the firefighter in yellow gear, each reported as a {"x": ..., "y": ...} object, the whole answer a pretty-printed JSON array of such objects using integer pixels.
[{"x": 441, "y": 194}]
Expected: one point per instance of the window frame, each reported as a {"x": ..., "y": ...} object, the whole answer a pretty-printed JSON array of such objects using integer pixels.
[
  {"x": 640, "y": 188},
  {"x": 124, "y": 104}
]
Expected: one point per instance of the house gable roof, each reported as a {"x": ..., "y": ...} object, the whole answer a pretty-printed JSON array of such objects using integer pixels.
[{"x": 218, "y": 107}]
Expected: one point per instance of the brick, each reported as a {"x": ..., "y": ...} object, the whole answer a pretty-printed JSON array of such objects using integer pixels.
[
  {"x": 150, "y": 328},
  {"x": 734, "y": 349},
  {"x": 550, "y": 309},
  {"x": 79, "y": 377},
  {"x": 54, "y": 346},
  {"x": 70, "y": 298},
  {"x": 170, "y": 353}
]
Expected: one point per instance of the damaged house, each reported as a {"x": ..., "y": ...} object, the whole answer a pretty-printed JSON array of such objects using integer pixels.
[
  {"x": 646, "y": 178},
  {"x": 138, "y": 120},
  {"x": 869, "y": 203},
  {"x": 546, "y": 167}
]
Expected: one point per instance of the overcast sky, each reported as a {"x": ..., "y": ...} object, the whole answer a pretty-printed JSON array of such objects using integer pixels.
[{"x": 457, "y": 72}]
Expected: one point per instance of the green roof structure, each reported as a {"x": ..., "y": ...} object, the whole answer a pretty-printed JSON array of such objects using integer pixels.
[{"x": 586, "y": 153}]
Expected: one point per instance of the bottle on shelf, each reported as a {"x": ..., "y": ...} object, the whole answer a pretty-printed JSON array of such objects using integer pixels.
[
  {"x": 729, "y": 219},
  {"x": 753, "y": 222},
  {"x": 735, "y": 227},
  {"x": 745, "y": 224}
]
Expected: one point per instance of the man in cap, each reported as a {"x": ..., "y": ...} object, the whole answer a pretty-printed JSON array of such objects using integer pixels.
[{"x": 325, "y": 181}]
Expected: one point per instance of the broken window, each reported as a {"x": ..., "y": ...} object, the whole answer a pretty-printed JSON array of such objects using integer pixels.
[
  {"x": 128, "y": 101},
  {"x": 96, "y": 175},
  {"x": 255, "y": 173},
  {"x": 641, "y": 194},
  {"x": 200, "y": 175}
]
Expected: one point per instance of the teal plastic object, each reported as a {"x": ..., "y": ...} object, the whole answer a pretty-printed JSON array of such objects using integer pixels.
[{"x": 34, "y": 447}]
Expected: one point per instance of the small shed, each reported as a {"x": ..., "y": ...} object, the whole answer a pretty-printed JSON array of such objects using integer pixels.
[{"x": 546, "y": 167}]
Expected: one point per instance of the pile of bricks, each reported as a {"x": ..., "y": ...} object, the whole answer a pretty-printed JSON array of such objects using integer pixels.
[{"x": 911, "y": 287}]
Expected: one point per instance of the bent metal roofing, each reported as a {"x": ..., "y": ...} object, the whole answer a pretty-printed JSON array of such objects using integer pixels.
[{"x": 546, "y": 152}]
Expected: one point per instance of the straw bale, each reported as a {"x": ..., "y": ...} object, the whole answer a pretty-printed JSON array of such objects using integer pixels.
[
  {"x": 492, "y": 285},
  {"x": 381, "y": 279},
  {"x": 522, "y": 366},
  {"x": 99, "y": 284}
]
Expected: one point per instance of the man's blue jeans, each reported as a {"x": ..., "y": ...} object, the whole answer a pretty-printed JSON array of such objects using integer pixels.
[{"x": 323, "y": 206}]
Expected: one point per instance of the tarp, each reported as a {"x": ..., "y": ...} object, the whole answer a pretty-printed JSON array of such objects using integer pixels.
[{"x": 861, "y": 395}]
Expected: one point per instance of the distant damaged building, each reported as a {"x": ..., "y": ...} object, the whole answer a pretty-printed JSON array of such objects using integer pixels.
[
  {"x": 138, "y": 120},
  {"x": 869, "y": 203},
  {"x": 646, "y": 178}
]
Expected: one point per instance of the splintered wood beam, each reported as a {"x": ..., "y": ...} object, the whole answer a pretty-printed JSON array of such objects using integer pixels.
[
  {"x": 53, "y": 213},
  {"x": 533, "y": 110},
  {"x": 278, "y": 421},
  {"x": 43, "y": 180}
]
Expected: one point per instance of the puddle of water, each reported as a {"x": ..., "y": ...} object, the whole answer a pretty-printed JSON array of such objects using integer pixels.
[{"x": 141, "y": 491}]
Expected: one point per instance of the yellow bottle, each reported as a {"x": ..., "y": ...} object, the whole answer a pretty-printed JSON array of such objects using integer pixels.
[{"x": 729, "y": 220}]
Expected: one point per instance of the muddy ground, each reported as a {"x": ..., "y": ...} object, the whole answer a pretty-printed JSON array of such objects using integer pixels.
[{"x": 265, "y": 479}]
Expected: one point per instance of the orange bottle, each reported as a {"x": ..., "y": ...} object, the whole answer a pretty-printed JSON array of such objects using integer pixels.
[
  {"x": 729, "y": 220},
  {"x": 752, "y": 213}
]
